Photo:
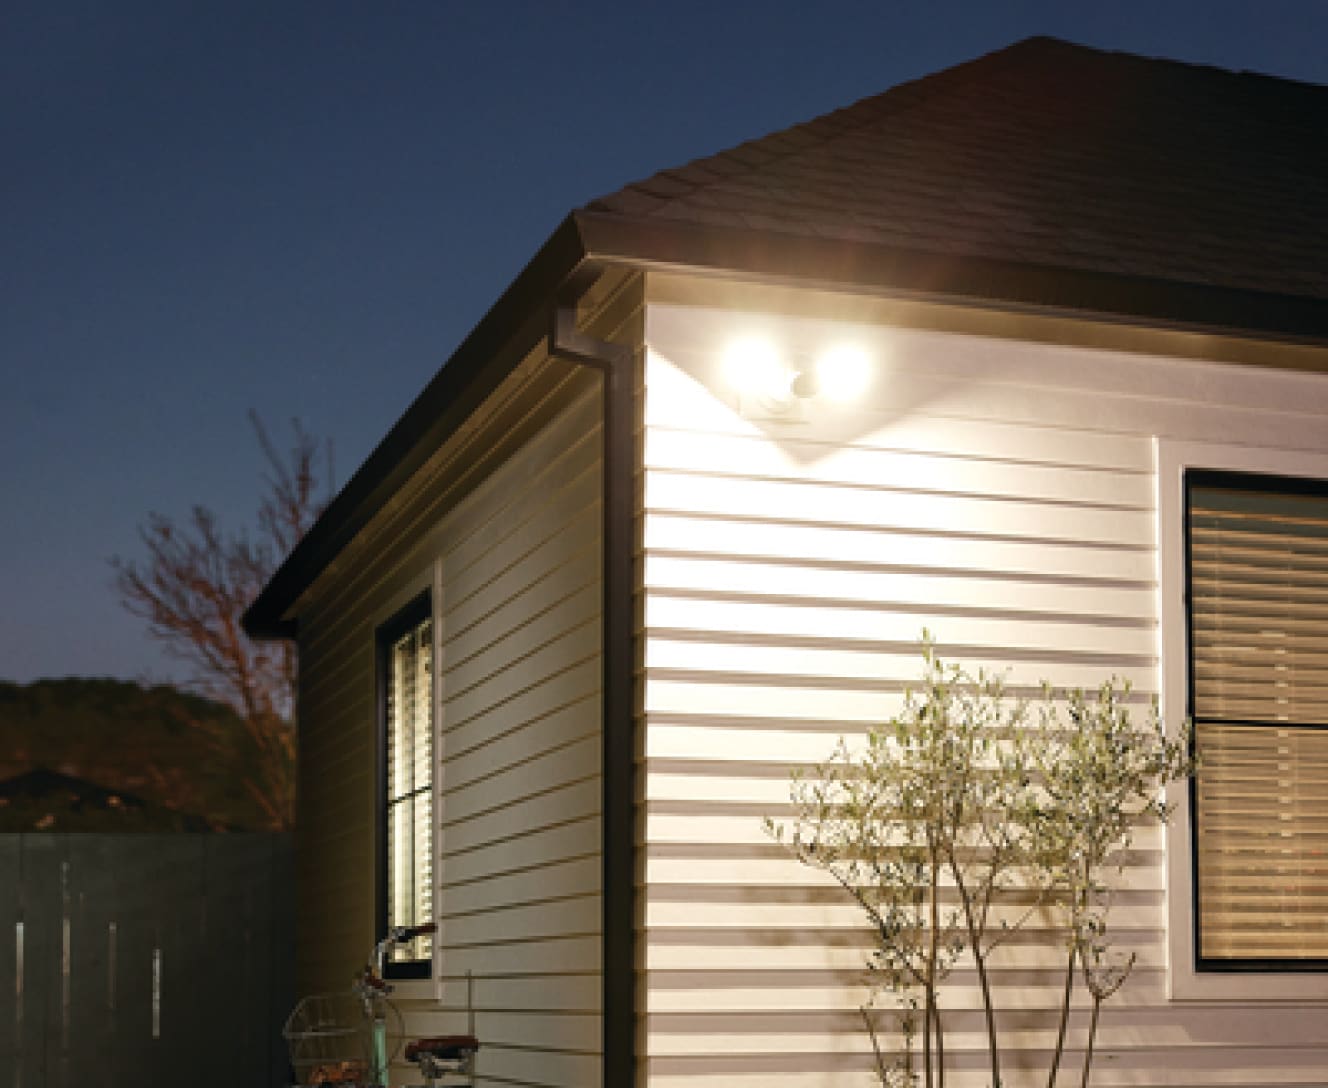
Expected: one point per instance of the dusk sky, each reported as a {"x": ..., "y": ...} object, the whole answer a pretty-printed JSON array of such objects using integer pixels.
[{"x": 302, "y": 206}]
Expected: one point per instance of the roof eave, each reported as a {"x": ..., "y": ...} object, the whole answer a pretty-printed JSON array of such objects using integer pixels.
[
  {"x": 514, "y": 324},
  {"x": 520, "y": 317},
  {"x": 956, "y": 277}
]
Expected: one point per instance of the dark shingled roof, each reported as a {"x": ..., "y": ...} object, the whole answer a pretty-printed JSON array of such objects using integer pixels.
[
  {"x": 1044, "y": 153},
  {"x": 1047, "y": 175}
]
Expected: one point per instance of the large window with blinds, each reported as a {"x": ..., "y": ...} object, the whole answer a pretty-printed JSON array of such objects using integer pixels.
[
  {"x": 1258, "y": 660},
  {"x": 405, "y": 817}
]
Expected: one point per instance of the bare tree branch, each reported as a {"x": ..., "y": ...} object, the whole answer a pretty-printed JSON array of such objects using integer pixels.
[{"x": 192, "y": 585}]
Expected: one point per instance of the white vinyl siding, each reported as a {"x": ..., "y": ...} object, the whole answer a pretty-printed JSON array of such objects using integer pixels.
[
  {"x": 1000, "y": 494},
  {"x": 519, "y": 834},
  {"x": 503, "y": 528}
]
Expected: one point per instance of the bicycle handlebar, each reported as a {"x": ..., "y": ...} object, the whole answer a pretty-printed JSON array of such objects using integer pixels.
[{"x": 372, "y": 975}]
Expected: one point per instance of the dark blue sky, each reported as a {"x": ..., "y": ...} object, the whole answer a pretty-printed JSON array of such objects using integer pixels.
[{"x": 301, "y": 206}]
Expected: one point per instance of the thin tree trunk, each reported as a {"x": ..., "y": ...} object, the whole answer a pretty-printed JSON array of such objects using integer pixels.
[
  {"x": 876, "y": 1045},
  {"x": 1065, "y": 1018},
  {"x": 980, "y": 961},
  {"x": 990, "y": 1013},
  {"x": 928, "y": 1008},
  {"x": 909, "y": 1024},
  {"x": 940, "y": 1045},
  {"x": 1092, "y": 1035},
  {"x": 933, "y": 956}
]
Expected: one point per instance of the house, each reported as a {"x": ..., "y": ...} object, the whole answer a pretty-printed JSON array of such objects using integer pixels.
[{"x": 1031, "y": 353}]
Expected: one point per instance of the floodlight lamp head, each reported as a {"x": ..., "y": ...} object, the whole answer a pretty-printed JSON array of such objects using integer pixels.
[
  {"x": 806, "y": 383},
  {"x": 772, "y": 383}
]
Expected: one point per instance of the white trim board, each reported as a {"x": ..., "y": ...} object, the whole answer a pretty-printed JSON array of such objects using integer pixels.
[{"x": 1183, "y": 981}]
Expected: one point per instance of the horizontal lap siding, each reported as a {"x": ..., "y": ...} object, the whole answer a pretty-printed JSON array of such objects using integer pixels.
[
  {"x": 519, "y": 841},
  {"x": 999, "y": 495},
  {"x": 518, "y": 835},
  {"x": 334, "y": 831},
  {"x": 388, "y": 563}
]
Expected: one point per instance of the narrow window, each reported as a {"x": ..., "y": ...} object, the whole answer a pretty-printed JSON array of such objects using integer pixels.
[
  {"x": 405, "y": 837},
  {"x": 1258, "y": 645}
]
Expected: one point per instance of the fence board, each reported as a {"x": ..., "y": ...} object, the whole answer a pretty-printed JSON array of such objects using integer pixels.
[
  {"x": 145, "y": 959},
  {"x": 39, "y": 898},
  {"x": 91, "y": 900},
  {"x": 137, "y": 924},
  {"x": 9, "y": 920}
]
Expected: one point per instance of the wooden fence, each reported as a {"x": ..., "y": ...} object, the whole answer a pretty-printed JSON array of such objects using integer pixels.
[{"x": 144, "y": 960}]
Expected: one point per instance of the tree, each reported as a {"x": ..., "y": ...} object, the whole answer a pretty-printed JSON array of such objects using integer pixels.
[
  {"x": 1098, "y": 778},
  {"x": 193, "y": 585},
  {"x": 927, "y": 813},
  {"x": 960, "y": 818}
]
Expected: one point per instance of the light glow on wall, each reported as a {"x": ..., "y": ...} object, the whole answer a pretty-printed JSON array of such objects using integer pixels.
[
  {"x": 754, "y": 366},
  {"x": 843, "y": 373},
  {"x": 757, "y": 368}
]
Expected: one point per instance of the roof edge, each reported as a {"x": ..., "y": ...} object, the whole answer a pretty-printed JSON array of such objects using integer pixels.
[
  {"x": 518, "y": 319},
  {"x": 956, "y": 277},
  {"x": 512, "y": 325}
]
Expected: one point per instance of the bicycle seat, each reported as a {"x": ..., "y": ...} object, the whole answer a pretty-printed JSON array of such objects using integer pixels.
[{"x": 443, "y": 1047}]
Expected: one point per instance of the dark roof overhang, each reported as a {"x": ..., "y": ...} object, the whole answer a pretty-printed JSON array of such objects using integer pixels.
[
  {"x": 523, "y": 315},
  {"x": 958, "y": 278},
  {"x": 514, "y": 324}
]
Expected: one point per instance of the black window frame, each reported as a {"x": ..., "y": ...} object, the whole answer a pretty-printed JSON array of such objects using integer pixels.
[
  {"x": 408, "y": 618},
  {"x": 1228, "y": 479}
]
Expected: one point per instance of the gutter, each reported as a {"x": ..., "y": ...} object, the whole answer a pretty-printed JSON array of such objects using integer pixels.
[
  {"x": 956, "y": 278},
  {"x": 519, "y": 319}
]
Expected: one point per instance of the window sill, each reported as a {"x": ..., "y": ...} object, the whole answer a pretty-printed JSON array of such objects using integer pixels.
[{"x": 1238, "y": 986}]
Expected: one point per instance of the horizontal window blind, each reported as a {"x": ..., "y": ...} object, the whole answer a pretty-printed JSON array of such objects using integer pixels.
[
  {"x": 1259, "y": 658},
  {"x": 410, "y": 788}
]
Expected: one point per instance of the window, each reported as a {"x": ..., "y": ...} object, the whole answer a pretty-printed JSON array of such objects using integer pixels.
[
  {"x": 405, "y": 833},
  {"x": 1257, "y": 596}
]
